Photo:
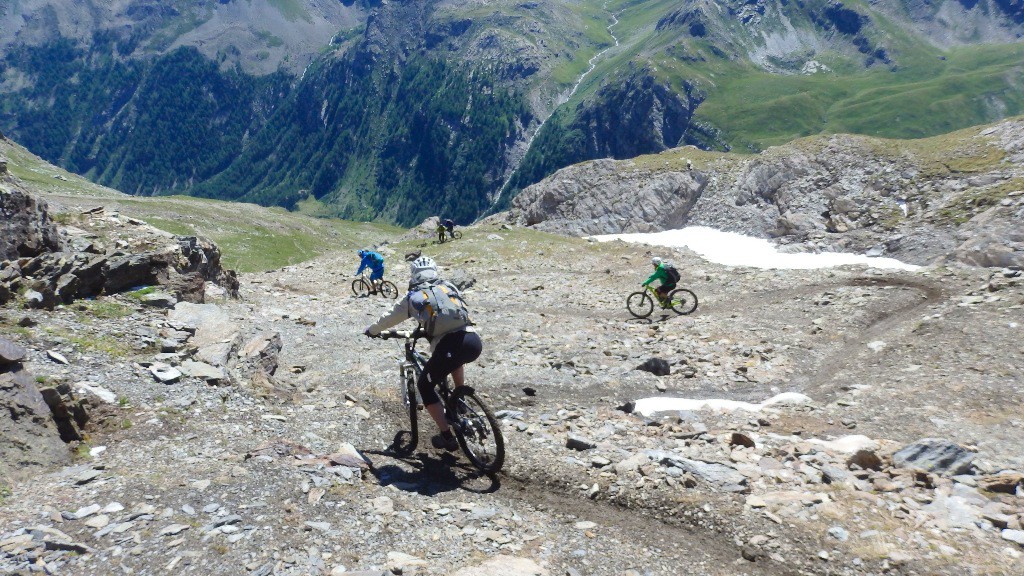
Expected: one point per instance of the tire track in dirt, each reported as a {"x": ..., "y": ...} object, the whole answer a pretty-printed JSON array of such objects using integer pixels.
[{"x": 817, "y": 380}]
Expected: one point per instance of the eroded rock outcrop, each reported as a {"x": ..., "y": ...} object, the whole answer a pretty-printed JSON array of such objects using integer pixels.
[
  {"x": 28, "y": 435},
  {"x": 25, "y": 227},
  {"x": 53, "y": 266},
  {"x": 953, "y": 199}
]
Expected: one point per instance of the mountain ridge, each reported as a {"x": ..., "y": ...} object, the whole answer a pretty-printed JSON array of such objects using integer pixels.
[{"x": 162, "y": 102}]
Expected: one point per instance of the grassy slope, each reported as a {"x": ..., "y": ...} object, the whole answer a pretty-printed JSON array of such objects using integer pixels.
[
  {"x": 930, "y": 92},
  {"x": 251, "y": 238}
]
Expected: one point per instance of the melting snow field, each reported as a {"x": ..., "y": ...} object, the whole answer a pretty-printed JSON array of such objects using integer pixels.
[
  {"x": 731, "y": 249},
  {"x": 648, "y": 406}
]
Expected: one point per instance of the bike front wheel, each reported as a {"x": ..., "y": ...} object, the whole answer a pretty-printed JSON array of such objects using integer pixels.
[
  {"x": 360, "y": 287},
  {"x": 477, "y": 430},
  {"x": 683, "y": 301},
  {"x": 640, "y": 304},
  {"x": 388, "y": 290},
  {"x": 412, "y": 408},
  {"x": 456, "y": 235}
]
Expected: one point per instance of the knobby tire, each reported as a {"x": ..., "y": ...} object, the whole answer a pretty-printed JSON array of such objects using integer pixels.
[
  {"x": 412, "y": 407},
  {"x": 474, "y": 425},
  {"x": 360, "y": 288},
  {"x": 640, "y": 304},
  {"x": 683, "y": 301},
  {"x": 456, "y": 235}
]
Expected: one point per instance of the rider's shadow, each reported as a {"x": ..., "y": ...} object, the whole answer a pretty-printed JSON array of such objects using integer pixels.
[{"x": 430, "y": 475}]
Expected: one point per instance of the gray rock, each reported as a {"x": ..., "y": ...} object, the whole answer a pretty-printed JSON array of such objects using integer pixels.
[
  {"x": 935, "y": 455},
  {"x": 865, "y": 460},
  {"x": 159, "y": 300},
  {"x": 839, "y": 533},
  {"x": 574, "y": 442},
  {"x": 202, "y": 370},
  {"x": 1016, "y": 536},
  {"x": 164, "y": 373},
  {"x": 25, "y": 228},
  {"x": 29, "y": 437},
  {"x": 11, "y": 352},
  {"x": 717, "y": 474}
]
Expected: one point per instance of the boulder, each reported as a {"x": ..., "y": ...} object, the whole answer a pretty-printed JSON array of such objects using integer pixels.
[
  {"x": 935, "y": 455},
  {"x": 260, "y": 354},
  {"x": 722, "y": 476},
  {"x": 28, "y": 436},
  {"x": 25, "y": 229},
  {"x": 11, "y": 353}
]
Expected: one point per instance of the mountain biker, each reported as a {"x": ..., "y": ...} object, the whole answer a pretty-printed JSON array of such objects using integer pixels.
[
  {"x": 451, "y": 350},
  {"x": 665, "y": 273},
  {"x": 450, "y": 226},
  {"x": 373, "y": 261}
]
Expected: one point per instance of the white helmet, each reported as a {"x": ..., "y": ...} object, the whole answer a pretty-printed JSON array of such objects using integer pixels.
[
  {"x": 656, "y": 261},
  {"x": 422, "y": 269}
]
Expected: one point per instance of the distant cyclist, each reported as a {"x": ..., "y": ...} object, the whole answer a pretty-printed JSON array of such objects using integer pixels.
[
  {"x": 447, "y": 226},
  {"x": 441, "y": 312},
  {"x": 375, "y": 262},
  {"x": 666, "y": 274}
]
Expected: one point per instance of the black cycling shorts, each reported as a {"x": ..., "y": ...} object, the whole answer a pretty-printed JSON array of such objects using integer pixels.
[{"x": 452, "y": 351}]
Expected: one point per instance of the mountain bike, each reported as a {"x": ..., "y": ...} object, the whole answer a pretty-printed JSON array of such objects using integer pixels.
[
  {"x": 363, "y": 287},
  {"x": 472, "y": 421},
  {"x": 641, "y": 304},
  {"x": 443, "y": 235}
]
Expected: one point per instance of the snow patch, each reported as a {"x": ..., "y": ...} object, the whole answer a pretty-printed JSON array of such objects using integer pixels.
[
  {"x": 648, "y": 406},
  {"x": 731, "y": 249}
]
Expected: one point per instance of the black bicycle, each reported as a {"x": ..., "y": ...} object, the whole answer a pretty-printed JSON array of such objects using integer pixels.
[
  {"x": 472, "y": 422},
  {"x": 641, "y": 304},
  {"x": 444, "y": 236},
  {"x": 363, "y": 287}
]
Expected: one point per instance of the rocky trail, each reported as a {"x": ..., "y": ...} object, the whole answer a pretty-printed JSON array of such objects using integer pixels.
[{"x": 250, "y": 435}]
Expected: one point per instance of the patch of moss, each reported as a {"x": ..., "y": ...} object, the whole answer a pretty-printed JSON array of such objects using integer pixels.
[
  {"x": 105, "y": 309},
  {"x": 138, "y": 294},
  {"x": 977, "y": 200}
]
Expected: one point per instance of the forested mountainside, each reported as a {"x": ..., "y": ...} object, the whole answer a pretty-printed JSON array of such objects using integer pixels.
[{"x": 397, "y": 110}]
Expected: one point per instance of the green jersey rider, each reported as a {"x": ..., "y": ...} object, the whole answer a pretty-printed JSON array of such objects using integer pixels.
[{"x": 664, "y": 276}]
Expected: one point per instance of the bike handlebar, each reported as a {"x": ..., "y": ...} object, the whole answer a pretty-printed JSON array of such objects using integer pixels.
[{"x": 407, "y": 334}]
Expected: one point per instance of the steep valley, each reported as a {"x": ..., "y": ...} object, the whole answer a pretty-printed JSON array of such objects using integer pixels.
[{"x": 278, "y": 463}]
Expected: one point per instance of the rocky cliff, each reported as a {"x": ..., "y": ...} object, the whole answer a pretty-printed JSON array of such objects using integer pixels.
[
  {"x": 25, "y": 227},
  {"x": 959, "y": 197}
]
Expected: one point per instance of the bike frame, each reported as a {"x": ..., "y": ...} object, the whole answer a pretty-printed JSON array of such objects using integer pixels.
[{"x": 416, "y": 361}]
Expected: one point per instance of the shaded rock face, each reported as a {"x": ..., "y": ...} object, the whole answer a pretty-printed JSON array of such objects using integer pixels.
[
  {"x": 594, "y": 199},
  {"x": 28, "y": 435},
  {"x": 639, "y": 116},
  {"x": 25, "y": 227}
]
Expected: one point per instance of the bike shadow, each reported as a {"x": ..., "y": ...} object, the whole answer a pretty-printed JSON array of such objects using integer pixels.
[
  {"x": 429, "y": 474},
  {"x": 651, "y": 319}
]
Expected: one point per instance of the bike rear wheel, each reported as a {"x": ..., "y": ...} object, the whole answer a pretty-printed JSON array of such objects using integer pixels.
[
  {"x": 640, "y": 304},
  {"x": 388, "y": 289},
  {"x": 477, "y": 430},
  {"x": 360, "y": 288},
  {"x": 683, "y": 301},
  {"x": 412, "y": 408}
]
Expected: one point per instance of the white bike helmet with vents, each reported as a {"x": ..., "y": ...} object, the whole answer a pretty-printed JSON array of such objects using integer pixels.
[
  {"x": 656, "y": 261},
  {"x": 422, "y": 269}
]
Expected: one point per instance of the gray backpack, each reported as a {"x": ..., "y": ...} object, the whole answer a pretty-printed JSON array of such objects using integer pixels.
[{"x": 439, "y": 308}]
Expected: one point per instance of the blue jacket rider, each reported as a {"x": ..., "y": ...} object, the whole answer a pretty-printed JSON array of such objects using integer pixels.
[{"x": 373, "y": 261}]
